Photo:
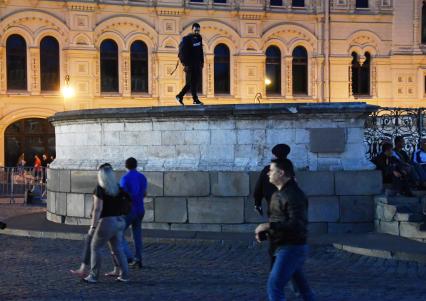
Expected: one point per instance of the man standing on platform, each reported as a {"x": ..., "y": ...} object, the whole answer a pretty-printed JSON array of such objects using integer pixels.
[
  {"x": 287, "y": 232},
  {"x": 135, "y": 184},
  {"x": 191, "y": 56}
]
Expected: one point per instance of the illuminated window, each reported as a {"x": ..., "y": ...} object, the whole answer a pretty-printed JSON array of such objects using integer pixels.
[
  {"x": 360, "y": 75},
  {"x": 273, "y": 70},
  {"x": 300, "y": 70},
  {"x": 16, "y": 50},
  {"x": 49, "y": 64},
  {"x": 109, "y": 66},
  {"x": 139, "y": 66},
  {"x": 221, "y": 69}
]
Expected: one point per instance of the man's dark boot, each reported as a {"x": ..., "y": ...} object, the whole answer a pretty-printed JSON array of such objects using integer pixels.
[
  {"x": 179, "y": 99},
  {"x": 197, "y": 102}
]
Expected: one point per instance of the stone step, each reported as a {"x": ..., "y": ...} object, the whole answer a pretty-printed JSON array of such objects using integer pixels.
[
  {"x": 389, "y": 212},
  {"x": 411, "y": 230}
]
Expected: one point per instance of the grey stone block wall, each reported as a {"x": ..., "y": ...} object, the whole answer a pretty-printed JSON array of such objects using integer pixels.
[{"x": 220, "y": 201}]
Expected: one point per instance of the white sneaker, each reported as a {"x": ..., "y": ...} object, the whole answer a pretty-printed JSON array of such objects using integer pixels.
[
  {"x": 121, "y": 279},
  {"x": 90, "y": 279}
]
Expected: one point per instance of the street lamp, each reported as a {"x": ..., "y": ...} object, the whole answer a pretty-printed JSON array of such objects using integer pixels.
[{"x": 67, "y": 90}]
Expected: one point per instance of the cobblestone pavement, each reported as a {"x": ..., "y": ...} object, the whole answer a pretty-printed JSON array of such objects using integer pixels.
[
  {"x": 11, "y": 210},
  {"x": 37, "y": 269}
]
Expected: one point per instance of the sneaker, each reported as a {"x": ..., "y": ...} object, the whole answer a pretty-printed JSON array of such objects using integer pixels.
[
  {"x": 79, "y": 273},
  {"x": 136, "y": 264},
  {"x": 121, "y": 279},
  {"x": 179, "y": 99},
  {"x": 90, "y": 279},
  {"x": 197, "y": 102},
  {"x": 112, "y": 274}
]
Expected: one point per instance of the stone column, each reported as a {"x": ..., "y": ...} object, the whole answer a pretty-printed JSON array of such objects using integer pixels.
[
  {"x": 209, "y": 64},
  {"x": 126, "y": 86},
  {"x": 3, "y": 73},
  {"x": 289, "y": 76},
  {"x": 34, "y": 77}
]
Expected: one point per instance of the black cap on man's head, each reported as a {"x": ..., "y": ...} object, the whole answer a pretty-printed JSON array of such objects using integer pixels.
[{"x": 281, "y": 151}]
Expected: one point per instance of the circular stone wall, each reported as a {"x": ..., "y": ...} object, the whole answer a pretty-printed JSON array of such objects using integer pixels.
[{"x": 202, "y": 161}]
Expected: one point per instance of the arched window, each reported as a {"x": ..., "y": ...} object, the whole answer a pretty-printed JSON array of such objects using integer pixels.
[
  {"x": 276, "y": 2},
  {"x": 49, "y": 64},
  {"x": 300, "y": 70},
  {"x": 221, "y": 70},
  {"x": 139, "y": 66},
  {"x": 361, "y": 4},
  {"x": 273, "y": 70},
  {"x": 16, "y": 52},
  {"x": 361, "y": 75},
  {"x": 424, "y": 23},
  {"x": 109, "y": 66}
]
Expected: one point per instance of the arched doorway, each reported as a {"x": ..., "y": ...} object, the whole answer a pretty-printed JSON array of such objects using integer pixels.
[{"x": 29, "y": 136}]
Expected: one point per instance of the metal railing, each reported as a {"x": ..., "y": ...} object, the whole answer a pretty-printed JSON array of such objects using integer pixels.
[
  {"x": 388, "y": 123},
  {"x": 27, "y": 183}
]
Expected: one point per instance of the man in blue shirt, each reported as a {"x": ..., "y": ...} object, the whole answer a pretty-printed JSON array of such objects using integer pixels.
[{"x": 135, "y": 184}]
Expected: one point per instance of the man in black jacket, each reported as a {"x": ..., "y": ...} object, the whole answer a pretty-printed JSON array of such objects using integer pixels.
[
  {"x": 287, "y": 231},
  {"x": 264, "y": 189},
  {"x": 192, "y": 58}
]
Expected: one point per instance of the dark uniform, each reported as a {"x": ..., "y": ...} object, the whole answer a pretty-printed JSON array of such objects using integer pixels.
[{"x": 193, "y": 62}]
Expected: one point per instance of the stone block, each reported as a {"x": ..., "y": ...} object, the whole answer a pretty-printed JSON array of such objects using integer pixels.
[
  {"x": 254, "y": 176},
  {"x": 155, "y": 183},
  {"x": 78, "y": 221},
  {"x": 88, "y": 204},
  {"x": 366, "y": 182},
  {"x": 230, "y": 183},
  {"x": 75, "y": 204},
  {"x": 155, "y": 226},
  {"x": 389, "y": 227},
  {"x": 245, "y": 228},
  {"x": 317, "y": 228},
  {"x": 217, "y": 153},
  {"x": 216, "y": 210},
  {"x": 251, "y": 215},
  {"x": 51, "y": 202},
  {"x": 356, "y": 209},
  {"x": 220, "y": 137},
  {"x": 172, "y": 137},
  {"x": 389, "y": 212},
  {"x": 170, "y": 210},
  {"x": 350, "y": 227},
  {"x": 54, "y": 218},
  {"x": 148, "y": 203},
  {"x": 113, "y": 127},
  {"x": 83, "y": 181},
  {"x": 323, "y": 209},
  {"x": 327, "y": 140},
  {"x": 52, "y": 179},
  {"x": 186, "y": 183},
  {"x": 197, "y": 137},
  {"x": 138, "y": 126},
  {"x": 61, "y": 203},
  {"x": 379, "y": 211},
  {"x": 64, "y": 180},
  {"x": 149, "y": 216},
  {"x": 276, "y": 136},
  {"x": 316, "y": 183},
  {"x": 411, "y": 230},
  {"x": 196, "y": 227}
]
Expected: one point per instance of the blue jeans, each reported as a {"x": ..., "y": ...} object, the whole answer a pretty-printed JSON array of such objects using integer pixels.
[
  {"x": 135, "y": 220},
  {"x": 288, "y": 265}
]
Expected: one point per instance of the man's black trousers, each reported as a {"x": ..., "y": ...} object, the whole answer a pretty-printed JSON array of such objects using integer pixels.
[{"x": 192, "y": 80}]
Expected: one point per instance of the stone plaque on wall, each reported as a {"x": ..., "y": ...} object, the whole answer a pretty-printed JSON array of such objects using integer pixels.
[{"x": 327, "y": 140}]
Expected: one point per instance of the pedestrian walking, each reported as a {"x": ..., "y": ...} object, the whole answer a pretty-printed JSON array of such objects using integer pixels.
[
  {"x": 191, "y": 56},
  {"x": 287, "y": 232},
  {"x": 107, "y": 225},
  {"x": 135, "y": 184}
]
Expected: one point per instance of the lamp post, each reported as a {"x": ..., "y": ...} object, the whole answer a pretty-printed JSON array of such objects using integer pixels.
[{"x": 67, "y": 90}]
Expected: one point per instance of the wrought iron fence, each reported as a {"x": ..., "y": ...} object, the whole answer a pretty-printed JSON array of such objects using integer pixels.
[
  {"x": 388, "y": 123},
  {"x": 27, "y": 183}
]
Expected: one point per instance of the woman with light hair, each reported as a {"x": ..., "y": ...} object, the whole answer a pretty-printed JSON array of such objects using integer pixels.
[{"x": 107, "y": 225}]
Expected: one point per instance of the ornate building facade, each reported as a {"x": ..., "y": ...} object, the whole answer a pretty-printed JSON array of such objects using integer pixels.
[{"x": 121, "y": 53}]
